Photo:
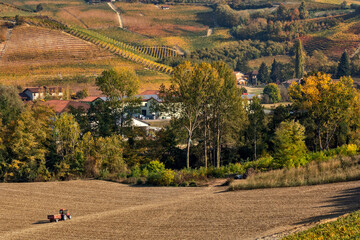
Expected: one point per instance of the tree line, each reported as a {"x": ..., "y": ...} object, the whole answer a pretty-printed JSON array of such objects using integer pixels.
[{"x": 212, "y": 125}]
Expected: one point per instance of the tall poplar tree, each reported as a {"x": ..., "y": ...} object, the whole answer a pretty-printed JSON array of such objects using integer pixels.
[{"x": 299, "y": 59}]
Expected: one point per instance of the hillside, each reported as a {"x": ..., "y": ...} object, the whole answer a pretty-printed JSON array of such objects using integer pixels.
[
  {"x": 110, "y": 210},
  {"x": 30, "y": 45}
]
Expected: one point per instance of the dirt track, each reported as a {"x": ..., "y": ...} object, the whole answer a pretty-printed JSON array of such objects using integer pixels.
[{"x": 106, "y": 210}]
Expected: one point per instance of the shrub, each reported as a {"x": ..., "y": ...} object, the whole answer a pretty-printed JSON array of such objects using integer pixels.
[
  {"x": 162, "y": 178},
  {"x": 155, "y": 166}
]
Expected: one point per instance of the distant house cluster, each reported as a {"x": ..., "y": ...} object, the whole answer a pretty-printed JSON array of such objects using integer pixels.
[{"x": 53, "y": 98}]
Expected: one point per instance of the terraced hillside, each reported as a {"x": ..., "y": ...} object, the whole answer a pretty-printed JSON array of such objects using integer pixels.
[{"x": 35, "y": 45}]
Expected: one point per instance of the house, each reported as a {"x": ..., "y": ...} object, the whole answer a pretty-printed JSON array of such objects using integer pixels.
[
  {"x": 252, "y": 77},
  {"x": 61, "y": 106},
  {"x": 240, "y": 78},
  {"x": 149, "y": 102},
  {"x": 35, "y": 93},
  {"x": 165, "y": 7}
]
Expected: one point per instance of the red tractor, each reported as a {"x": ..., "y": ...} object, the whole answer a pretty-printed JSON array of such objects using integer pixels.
[{"x": 62, "y": 216}]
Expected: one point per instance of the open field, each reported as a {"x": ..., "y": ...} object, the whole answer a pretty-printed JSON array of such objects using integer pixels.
[
  {"x": 179, "y": 20},
  {"x": 255, "y": 64},
  {"x": 106, "y": 210}
]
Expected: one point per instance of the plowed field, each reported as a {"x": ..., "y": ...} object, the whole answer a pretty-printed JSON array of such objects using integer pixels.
[
  {"x": 107, "y": 210},
  {"x": 35, "y": 45}
]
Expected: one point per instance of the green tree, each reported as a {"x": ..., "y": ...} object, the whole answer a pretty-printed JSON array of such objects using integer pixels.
[
  {"x": 66, "y": 137},
  {"x": 343, "y": 5},
  {"x": 299, "y": 59},
  {"x": 27, "y": 141},
  {"x": 303, "y": 12},
  {"x": 344, "y": 66},
  {"x": 229, "y": 114},
  {"x": 39, "y": 8},
  {"x": 263, "y": 75},
  {"x": 256, "y": 127},
  {"x": 185, "y": 98},
  {"x": 10, "y": 104},
  {"x": 275, "y": 69},
  {"x": 109, "y": 156},
  {"x": 120, "y": 86},
  {"x": 273, "y": 92},
  {"x": 289, "y": 144}
]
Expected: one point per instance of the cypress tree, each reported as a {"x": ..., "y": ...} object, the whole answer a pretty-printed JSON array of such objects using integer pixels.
[
  {"x": 263, "y": 75},
  {"x": 299, "y": 59},
  {"x": 344, "y": 66},
  {"x": 303, "y": 12},
  {"x": 274, "y": 71}
]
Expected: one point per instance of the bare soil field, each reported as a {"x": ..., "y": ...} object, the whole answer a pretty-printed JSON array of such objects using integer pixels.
[{"x": 108, "y": 210}]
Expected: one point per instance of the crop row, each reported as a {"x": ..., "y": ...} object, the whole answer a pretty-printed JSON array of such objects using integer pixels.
[
  {"x": 136, "y": 54},
  {"x": 119, "y": 48}
]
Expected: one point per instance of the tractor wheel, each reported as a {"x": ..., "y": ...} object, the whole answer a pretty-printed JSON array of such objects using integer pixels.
[
  {"x": 56, "y": 220},
  {"x": 69, "y": 217},
  {"x": 65, "y": 218}
]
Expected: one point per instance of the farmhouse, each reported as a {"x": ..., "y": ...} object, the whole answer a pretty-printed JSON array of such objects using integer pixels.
[
  {"x": 240, "y": 78},
  {"x": 35, "y": 93},
  {"x": 149, "y": 102},
  {"x": 165, "y": 7}
]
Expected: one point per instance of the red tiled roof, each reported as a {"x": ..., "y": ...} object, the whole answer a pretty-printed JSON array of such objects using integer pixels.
[
  {"x": 61, "y": 106},
  {"x": 150, "y": 92},
  {"x": 89, "y": 99}
]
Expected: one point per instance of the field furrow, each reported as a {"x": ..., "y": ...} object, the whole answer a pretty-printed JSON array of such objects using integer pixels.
[{"x": 106, "y": 210}]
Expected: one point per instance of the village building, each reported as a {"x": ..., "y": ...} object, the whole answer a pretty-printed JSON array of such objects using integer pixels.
[
  {"x": 36, "y": 93},
  {"x": 240, "y": 78},
  {"x": 149, "y": 105}
]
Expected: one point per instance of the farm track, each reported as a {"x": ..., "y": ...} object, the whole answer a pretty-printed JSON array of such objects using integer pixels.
[
  {"x": 112, "y": 6},
  {"x": 106, "y": 210},
  {"x": 8, "y": 37}
]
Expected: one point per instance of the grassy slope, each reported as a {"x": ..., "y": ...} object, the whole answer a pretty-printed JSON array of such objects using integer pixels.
[
  {"x": 347, "y": 227},
  {"x": 317, "y": 172}
]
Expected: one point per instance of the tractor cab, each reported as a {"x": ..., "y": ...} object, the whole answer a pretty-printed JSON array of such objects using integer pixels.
[{"x": 63, "y": 211}]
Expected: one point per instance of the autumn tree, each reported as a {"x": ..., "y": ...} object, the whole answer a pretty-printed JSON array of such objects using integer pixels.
[
  {"x": 27, "y": 141},
  {"x": 324, "y": 101}
]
